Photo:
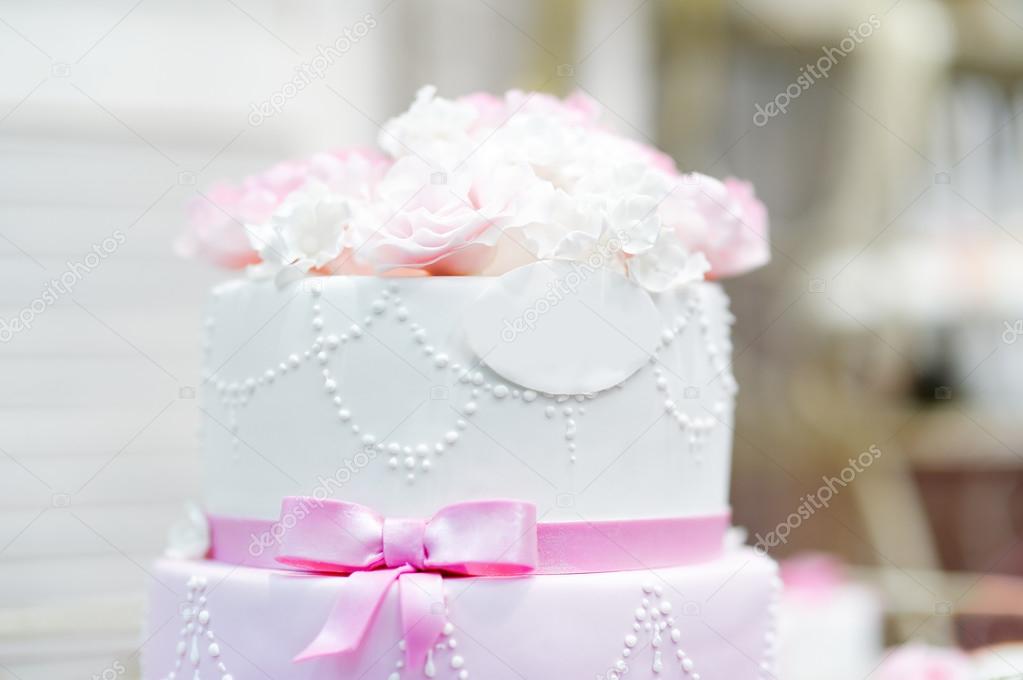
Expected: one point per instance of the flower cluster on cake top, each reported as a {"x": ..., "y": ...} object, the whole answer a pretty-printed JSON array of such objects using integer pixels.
[{"x": 480, "y": 185}]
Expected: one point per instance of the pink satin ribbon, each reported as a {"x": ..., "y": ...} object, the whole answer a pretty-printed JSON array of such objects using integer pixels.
[{"x": 475, "y": 538}]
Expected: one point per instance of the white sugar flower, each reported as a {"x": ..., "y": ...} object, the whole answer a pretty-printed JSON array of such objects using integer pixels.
[
  {"x": 306, "y": 232},
  {"x": 189, "y": 537},
  {"x": 433, "y": 128},
  {"x": 668, "y": 265}
]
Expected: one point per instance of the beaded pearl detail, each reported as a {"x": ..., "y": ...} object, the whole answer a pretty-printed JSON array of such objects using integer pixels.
[
  {"x": 771, "y": 634},
  {"x": 196, "y": 640},
  {"x": 696, "y": 425},
  {"x": 442, "y": 661},
  {"x": 653, "y": 632},
  {"x": 471, "y": 390}
]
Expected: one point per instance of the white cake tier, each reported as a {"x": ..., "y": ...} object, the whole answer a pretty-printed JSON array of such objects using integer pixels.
[{"x": 365, "y": 389}]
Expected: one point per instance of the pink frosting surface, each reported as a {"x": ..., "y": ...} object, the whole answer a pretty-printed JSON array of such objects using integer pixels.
[{"x": 249, "y": 623}]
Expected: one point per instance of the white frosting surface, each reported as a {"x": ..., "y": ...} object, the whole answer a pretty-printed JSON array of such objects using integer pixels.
[
  {"x": 545, "y": 326},
  {"x": 366, "y": 389}
]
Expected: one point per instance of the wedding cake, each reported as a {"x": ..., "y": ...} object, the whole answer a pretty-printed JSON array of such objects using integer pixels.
[{"x": 468, "y": 413}]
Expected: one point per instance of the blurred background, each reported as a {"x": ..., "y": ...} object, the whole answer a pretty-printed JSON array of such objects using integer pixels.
[{"x": 885, "y": 137}]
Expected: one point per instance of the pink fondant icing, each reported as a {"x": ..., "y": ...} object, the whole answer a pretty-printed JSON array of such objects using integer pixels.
[{"x": 504, "y": 628}]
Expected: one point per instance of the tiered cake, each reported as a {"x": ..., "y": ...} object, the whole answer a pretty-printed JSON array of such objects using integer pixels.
[{"x": 469, "y": 415}]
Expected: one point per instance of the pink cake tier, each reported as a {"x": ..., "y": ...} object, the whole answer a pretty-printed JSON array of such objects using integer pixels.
[{"x": 713, "y": 620}]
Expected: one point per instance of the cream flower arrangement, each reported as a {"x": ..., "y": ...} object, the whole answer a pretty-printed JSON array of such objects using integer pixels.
[{"x": 479, "y": 185}]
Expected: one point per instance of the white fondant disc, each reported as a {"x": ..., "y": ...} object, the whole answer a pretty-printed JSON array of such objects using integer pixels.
[{"x": 563, "y": 327}]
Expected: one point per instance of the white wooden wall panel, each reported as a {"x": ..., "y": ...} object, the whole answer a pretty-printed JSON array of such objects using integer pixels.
[{"x": 97, "y": 423}]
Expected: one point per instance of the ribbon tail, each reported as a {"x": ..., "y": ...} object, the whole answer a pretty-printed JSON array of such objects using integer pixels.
[
  {"x": 357, "y": 604},
  {"x": 422, "y": 617}
]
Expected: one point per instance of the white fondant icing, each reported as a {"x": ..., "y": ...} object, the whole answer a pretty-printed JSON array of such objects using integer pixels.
[
  {"x": 340, "y": 401},
  {"x": 563, "y": 327}
]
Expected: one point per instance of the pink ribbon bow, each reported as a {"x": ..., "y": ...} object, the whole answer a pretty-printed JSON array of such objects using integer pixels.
[{"x": 476, "y": 538}]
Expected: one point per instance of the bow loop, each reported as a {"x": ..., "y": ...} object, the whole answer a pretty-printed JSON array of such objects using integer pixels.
[
  {"x": 329, "y": 536},
  {"x": 483, "y": 538}
]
